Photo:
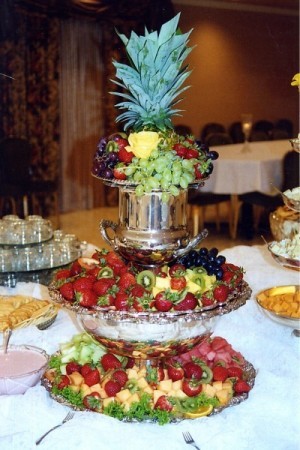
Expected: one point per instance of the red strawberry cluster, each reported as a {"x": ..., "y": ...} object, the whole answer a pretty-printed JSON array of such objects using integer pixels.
[{"x": 188, "y": 148}]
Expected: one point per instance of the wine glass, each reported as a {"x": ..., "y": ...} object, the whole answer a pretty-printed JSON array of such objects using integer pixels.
[{"x": 247, "y": 125}]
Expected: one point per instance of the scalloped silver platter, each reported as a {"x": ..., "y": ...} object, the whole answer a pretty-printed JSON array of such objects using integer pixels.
[
  {"x": 250, "y": 374},
  {"x": 285, "y": 261},
  {"x": 235, "y": 301},
  {"x": 130, "y": 184}
]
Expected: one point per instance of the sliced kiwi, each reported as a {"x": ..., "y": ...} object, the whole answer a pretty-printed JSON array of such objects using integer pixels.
[
  {"x": 146, "y": 278},
  {"x": 106, "y": 272},
  {"x": 207, "y": 374}
]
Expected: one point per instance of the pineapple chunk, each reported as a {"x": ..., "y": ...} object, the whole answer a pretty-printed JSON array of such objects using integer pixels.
[
  {"x": 132, "y": 374},
  {"x": 133, "y": 398},
  {"x": 123, "y": 395},
  {"x": 165, "y": 385},
  {"x": 227, "y": 385},
  {"x": 76, "y": 378},
  {"x": 223, "y": 396},
  {"x": 156, "y": 394},
  {"x": 162, "y": 283},
  {"x": 107, "y": 401},
  {"x": 75, "y": 388},
  {"x": 142, "y": 372},
  {"x": 177, "y": 385},
  {"x": 218, "y": 385},
  {"x": 85, "y": 390},
  {"x": 180, "y": 394},
  {"x": 209, "y": 390},
  {"x": 142, "y": 383},
  {"x": 148, "y": 390}
]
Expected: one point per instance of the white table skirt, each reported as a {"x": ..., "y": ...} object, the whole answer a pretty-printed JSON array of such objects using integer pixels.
[
  {"x": 268, "y": 420},
  {"x": 242, "y": 168}
]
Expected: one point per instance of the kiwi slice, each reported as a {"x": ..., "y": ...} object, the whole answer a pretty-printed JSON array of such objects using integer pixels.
[
  {"x": 147, "y": 279},
  {"x": 106, "y": 272},
  {"x": 207, "y": 374}
]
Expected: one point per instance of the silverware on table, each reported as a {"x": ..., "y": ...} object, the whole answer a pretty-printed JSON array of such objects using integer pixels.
[
  {"x": 68, "y": 417},
  {"x": 189, "y": 440}
]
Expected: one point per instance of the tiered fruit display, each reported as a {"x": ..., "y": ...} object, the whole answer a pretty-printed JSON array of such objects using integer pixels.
[
  {"x": 86, "y": 376},
  {"x": 198, "y": 280}
]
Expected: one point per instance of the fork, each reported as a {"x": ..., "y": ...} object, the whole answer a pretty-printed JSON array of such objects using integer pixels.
[
  {"x": 189, "y": 440},
  {"x": 68, "y": 417}
]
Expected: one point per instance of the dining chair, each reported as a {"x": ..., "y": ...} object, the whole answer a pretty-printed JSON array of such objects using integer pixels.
[
  {"x": 199, "y": 201},
  {"x": 211, "y": 127},
  {"x": 259, "y": 202},
  {"x": 215, "y": 139},
  {"x": 18, "y": 187},
  {"x": 235, "y": 131},
  {"x": 263, "y": 125},
  {"x": 183, "y": 130},
  {"x": 285, "y": 125}
]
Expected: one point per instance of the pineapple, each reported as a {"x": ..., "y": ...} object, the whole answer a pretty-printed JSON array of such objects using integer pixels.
[{"x": 154, "y": 78}]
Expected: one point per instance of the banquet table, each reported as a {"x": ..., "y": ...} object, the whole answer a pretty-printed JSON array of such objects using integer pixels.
[
  {"x": 247, "y": 167},
  {"x": 269, "y": 419}
]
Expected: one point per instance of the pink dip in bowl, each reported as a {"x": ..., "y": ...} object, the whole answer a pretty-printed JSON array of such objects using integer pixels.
[{"x": 21, "y": 368}]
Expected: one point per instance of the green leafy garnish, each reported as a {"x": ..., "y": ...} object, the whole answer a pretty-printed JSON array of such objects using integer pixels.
[
  {"x": 73, "y": 397},
  {"x": 55, "y": 362}
]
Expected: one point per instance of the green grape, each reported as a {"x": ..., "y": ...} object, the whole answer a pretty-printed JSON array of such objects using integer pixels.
[
  {"x": 165, "y": 184},
  {"x": 165, "y": 197},
  {"x": 139, "y": 190},
  {"x": 174, "y": 190}
]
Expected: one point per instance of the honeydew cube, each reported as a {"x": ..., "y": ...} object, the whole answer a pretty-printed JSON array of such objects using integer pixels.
[
  {"x": 132, "y": 374},
  {"x": 133, "y": 398},
  {"x": 156, "y": 394},
  {"x": 177, "y": 385},
  {"x": 76, "y": 378},
  {"x": 123, "y": 395},
  {"x": 218, "y": 385},
  {"x": 209, "y": 390},
  {"x": 107, "y": 401},
  {"x": 165, "y": 385},
  {"x": 223, "y": 396}
]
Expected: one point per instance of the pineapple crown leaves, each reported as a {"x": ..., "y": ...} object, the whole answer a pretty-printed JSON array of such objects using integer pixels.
[{"x": 154, "y": 77}]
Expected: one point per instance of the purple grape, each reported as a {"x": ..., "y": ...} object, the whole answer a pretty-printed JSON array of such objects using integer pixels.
[
  {"x": 107, "y": 173},
  {"x": 101, "y": 146}
]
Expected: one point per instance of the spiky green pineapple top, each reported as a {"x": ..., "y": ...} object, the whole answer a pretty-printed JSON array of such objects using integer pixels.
[{"x": 153, "y": 80}]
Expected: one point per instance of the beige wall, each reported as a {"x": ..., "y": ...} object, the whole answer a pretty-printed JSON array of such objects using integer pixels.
[{"x": 243, "y": 63}]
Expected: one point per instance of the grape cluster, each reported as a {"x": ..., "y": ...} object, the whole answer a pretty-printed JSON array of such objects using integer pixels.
[{"x": 210, "y": 260}]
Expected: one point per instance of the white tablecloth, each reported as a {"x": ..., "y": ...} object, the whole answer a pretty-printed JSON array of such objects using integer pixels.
[
  {"x": 268, "y": 420},
  {"x": 242, "y": 168}
]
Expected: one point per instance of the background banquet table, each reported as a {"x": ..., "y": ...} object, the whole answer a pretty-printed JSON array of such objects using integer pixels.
[
  {"x": 247, "y": 167},
  {"x": 269, "y": 419}
]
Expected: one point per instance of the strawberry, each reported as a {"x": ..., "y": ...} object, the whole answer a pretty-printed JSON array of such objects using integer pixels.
[
  {"x": 83, "y": 283},
  {"x": 119, "y": 173},
  {"x": 85, "y": 369},
  {"x": 192, "y": 153},
  {"x": 122, "y": 301},
  {"x": 112, "y": 388},
  {"x": 120, "y": 376},
  {"x": 220, "y": 373},
  {"x": 86, "y": 298},
  {"x": 220, "y": 293},
  {"x": 72, "y": 366},
  {"x": 241, "y": 387},
  {"x": 163, "y": 403},
  {"x": 76, "y": 269},
  {"x": 92, "y": 377},
  {"x": 197, "y": 171},
  {"x": 126, "y": 280},
  {"x": 178, "y": 283},
  {"x": 137, "y": 290},
  {"x": 175, "y": 372},
  {"x": 155, "y": 374},
  {"x": 102, "y": 286},
  {"x": 235, "y": 372},
  {"x": 206, "y": 300},
  {"x": 115, "y": 262},
  {"x": 192, "y": 370},
  {"x": 110, "y": 361},
  {"x": 88, "y": 263},
  {"x": 63, "y": 382},
  {"x": 92, "y": 401},
  {"x": 62, "y": 274},
  {"x": 191, "y": 387},
  {"x": 162, "y": 303},
  {"x": 106, "y": 300},
  {"x": 189, "y": 302},
  {"x": 180, "y": 150},
  {"x": 130, "y": 363},
  {"x": 67, "y": 291},
  {"x": 177, "y": 269},
  {"x": 125, "y": 156}
]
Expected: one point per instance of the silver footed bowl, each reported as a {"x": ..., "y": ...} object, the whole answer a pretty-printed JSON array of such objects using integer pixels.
[{"x": 152, "y": 335}]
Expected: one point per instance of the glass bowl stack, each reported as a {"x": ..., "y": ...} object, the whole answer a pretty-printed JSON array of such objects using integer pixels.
[{"x": 30, "y": 250}]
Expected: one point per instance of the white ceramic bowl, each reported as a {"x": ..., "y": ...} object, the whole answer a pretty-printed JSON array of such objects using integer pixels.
[{"x": 21, "y": 368}]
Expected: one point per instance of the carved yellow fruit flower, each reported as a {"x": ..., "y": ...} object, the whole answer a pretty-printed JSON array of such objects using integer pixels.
[
  {"x": 143, "y": 143},
  {"x": 296, "y": 80}
]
